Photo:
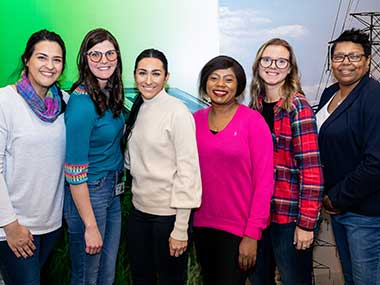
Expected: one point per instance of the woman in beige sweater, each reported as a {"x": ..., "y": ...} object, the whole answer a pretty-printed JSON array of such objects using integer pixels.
[{"x": 163, "y": 160}]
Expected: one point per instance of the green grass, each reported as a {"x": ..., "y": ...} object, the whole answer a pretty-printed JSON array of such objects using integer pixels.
[{"x": 57, "y": 269}]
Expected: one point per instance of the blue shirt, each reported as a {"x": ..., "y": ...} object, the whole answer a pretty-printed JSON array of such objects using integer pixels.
[{"x": 92, "y": 141}]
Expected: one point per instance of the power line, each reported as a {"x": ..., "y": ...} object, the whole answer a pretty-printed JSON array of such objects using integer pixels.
[
  {"x": 355, "y": 10},
  {"x": 346, "y": 16},
  {"x": 371, "y": 23},
  {"x": 327, "y": 56}
]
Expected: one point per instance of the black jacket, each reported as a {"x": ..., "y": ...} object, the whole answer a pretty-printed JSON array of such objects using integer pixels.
[{"x": 349, "y": 142}]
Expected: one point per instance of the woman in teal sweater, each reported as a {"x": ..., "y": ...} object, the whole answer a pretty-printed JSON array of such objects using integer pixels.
[{"x": 94, "y": 127}]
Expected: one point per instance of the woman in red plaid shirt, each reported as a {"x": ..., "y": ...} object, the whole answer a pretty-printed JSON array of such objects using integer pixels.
[{"x": 295, "y": 209}]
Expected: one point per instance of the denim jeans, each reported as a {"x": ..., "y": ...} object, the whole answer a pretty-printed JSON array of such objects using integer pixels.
[
  {"x": 357, "y": 238},
  {"x": 148, "y": 250},
  {"x": 98, "y": 268},
  {"x": 20, "y": 271},
  {"x": 276, "y": 248}
]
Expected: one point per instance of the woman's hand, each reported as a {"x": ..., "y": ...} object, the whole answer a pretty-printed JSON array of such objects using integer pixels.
[
  {"x": 92, "y": 237},
  {"x": 19, "y": 239},
  {"x": 303, "y": 239},
  {"x": 329, "y": 208},
  {"x": 177, "y": 247},
  {"x": 247, "y": 253},
  {"x": 94, "y": 241}
]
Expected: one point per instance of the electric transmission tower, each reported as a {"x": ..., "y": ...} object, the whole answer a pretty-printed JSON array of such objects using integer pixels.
[{"x": 371, "y": 22}]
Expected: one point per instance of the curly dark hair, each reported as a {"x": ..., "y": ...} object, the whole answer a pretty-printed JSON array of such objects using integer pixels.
[{"x": 86, "y": 78}]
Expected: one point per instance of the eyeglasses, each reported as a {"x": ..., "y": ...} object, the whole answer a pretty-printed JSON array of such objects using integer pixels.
[
  {"x": 280, "y": 63},
  {"x": 352, "y": 57},
  {"x": 96, "y": 56}
]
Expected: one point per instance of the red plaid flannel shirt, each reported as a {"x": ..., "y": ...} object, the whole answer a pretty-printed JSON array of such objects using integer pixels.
[{"x": 298, "y": 173}]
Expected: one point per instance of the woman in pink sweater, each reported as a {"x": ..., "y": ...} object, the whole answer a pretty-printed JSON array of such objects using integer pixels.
[{"x": 236, "y": 161}]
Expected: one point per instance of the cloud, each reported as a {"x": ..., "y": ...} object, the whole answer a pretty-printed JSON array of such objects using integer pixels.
[
  {"x": 237, "y": 23},
  {"x": 311, "y": 93},
  {"x": 293, "y": 31},
  {"x": 249, "y": 24}
]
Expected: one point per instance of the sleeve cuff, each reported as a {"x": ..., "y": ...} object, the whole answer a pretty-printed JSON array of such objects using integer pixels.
[
  {"x": 305, "y": 229},
  {"x": 3, "y": 223},
  {"x": 333, "y": 198},
  {"x": 181, "y": 224},
  {"x": 307, "y": 224},
  {"x": 254, "y": 233},
  {"x": 76, "y": 173}
]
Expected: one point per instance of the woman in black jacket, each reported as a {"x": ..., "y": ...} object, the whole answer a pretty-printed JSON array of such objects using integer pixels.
[{"x": 348, "y": 119}]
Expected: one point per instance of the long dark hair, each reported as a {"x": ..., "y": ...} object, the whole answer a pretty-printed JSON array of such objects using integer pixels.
[
  {"x": 148, "y": 53},
  {"x": 86, "y": 78},
  {"x": 35, "y": 38}
]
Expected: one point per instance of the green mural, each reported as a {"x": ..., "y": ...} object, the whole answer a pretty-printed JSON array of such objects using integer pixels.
[{"x": 133, "y": 23}]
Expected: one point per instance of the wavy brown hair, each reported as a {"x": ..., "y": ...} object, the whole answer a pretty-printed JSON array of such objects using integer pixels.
[
  {"x": 88, "y": 80},
  {"x": 292, "y": 83}
]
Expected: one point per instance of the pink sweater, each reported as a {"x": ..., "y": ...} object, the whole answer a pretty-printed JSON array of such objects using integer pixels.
[{"x": 237, "y": 174}]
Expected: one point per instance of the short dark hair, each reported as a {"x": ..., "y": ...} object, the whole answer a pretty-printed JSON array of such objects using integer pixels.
[
  {"x": 222, "y": 62},
  {"x": 115, "y": 83},
  {"x": 356, "y": 36},
  {"x": 42, "y": 35},
  {"x": 152, "y": 53}
]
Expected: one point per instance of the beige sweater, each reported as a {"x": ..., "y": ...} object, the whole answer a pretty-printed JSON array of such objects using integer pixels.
[{"x": 163, "y": 160}]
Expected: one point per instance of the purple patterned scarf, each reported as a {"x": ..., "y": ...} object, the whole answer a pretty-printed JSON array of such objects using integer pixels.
[{"x": 48, "y": 109}]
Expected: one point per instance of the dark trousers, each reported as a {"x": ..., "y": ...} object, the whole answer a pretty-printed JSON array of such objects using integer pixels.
[
  {"x": 148, "y": 250},
  {"x": 276, "y": 247},
  {"x": 218, "y": 254},
  {"x": 21, "y": 271}
]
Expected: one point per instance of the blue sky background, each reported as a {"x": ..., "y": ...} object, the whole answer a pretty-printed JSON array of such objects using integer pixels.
[{"x": 307, "y": 25}]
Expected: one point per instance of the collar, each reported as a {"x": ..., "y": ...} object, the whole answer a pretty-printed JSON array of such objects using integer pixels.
[{"x": 156, "y": 98}]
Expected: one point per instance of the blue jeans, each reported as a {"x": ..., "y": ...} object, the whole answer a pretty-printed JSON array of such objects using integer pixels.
[
  {"x": 276, "y": 247},
  {"x": 357, "y": 238},
  {"x": 21, "y": 271},
  {"x": 98, "y": 268}
]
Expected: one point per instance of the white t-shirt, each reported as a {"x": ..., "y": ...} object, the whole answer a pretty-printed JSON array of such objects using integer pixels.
[
  {"x": 31, "y": 166},
  {"x": 323, "y": 114}
]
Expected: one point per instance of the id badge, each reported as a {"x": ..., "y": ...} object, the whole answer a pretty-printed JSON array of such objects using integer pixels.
[
  {"x": 120, "y": 186},
  {"x": 119, "y": 189}
]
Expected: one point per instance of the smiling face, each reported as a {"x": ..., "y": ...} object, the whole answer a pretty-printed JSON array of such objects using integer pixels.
[
  {"x": 44, "y": 66},
  {"x": 273, "y": 76},
  {"x": 221, "y": 86},
  {"x": 103, "y": 69},
  {"x": 349, "y": 73},
  {"x": 150, "y": 77}
]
